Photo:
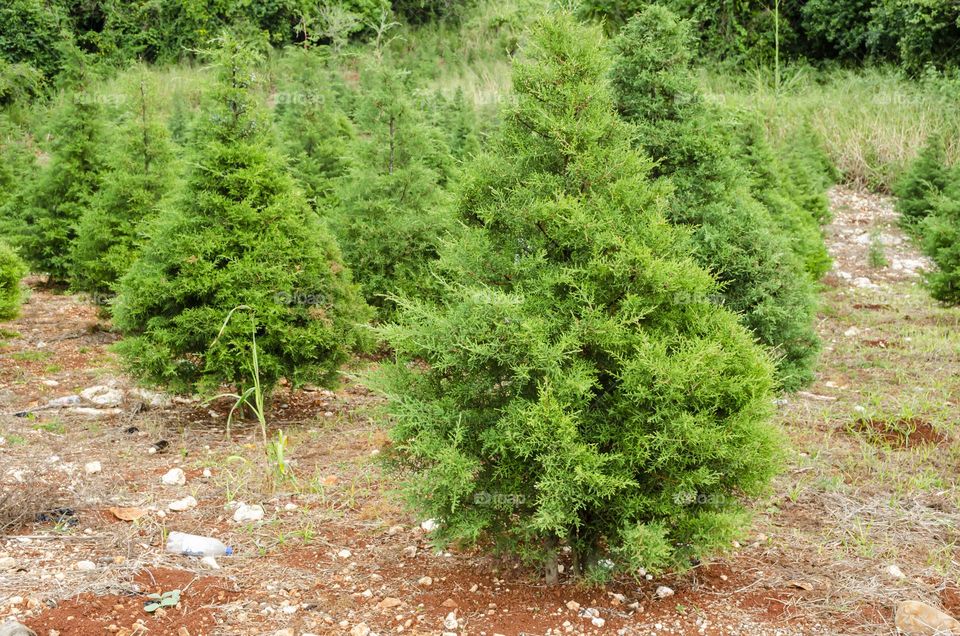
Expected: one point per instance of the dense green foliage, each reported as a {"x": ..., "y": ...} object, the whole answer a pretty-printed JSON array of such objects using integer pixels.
[
  {"x": 912, "y": 33},
  {"x": 921, "y": 183},
  {"x": 575, "y": 386},
  {"x": 12, "y": 269},
  {"x": 941, "y": 242},
  {"x": 392, "y": 211},
  {"x": 48, "y": 208},
  {"x": 759, "y": 263},
  {"x": 139, "y": 174},
  {"x": 241, "y": 234}
]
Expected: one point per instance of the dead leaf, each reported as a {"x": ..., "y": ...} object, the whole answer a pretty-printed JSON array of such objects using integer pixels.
[
  {"x": 803, "y": 585},
  {"x": 127, "y": 514}
]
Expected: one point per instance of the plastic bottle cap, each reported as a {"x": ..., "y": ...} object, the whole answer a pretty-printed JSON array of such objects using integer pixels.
[{"x": 228, "y": 551}]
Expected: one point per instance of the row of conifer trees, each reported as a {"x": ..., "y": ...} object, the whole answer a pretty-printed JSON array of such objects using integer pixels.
[{"x": 589, "y": 309}]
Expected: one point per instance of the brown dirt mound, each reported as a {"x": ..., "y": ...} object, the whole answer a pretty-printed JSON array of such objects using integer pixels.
[
  {"x": 92, "y": 615},
  {"x": 901, "y": 433}
]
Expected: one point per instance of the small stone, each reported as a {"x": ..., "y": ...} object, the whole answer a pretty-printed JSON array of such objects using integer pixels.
[
  {"x": 344, "y": 554},
  {"x": 290, "y": 507},
  {"x": 450, "y": 622},
  {"x": 573, "y": 606},
  {"x": 207, "y": 474},
  {"x": 429, "y": 525},
  {"x": 183, "y": 631},
  {"x": 851, "y": 332},
  {"x": 86, "y": 566},
  {"x": 597, "y": 621},
  {"x": 360, "y": 629},
  {"x": 664, "y": 592},
  {"x": 410, "y": 551},
  {"x": 210, "y": 563},
  {"x": 896, "y": 572},
  {"x": 394, "y": 530},
  {"x": 245, "y": 513},
  {"x": 914, "y": 618},
  {"x": 425, "y": 581},
  {"x": 92, "y": 468},
  {"x": 102, "y": 396},
  {"x": 181, "y": 505},
  {"x": 389, "y": 602},
  {"x": 174, "y": 477},
  {"x": 7, "y": 563},
  {"x": 13, "y": 628},
  {"x": 449, "y": 603}
]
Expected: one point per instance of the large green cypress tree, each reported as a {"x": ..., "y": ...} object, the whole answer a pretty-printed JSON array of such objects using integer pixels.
[
  {"x": 51, "y": 205},
  {"x": 12, "y": 269},
  {"x": 140, "y": 174},
  {"x": 762, "y": 278},
  {"x": 940, "y": 230},
  {"x": 575, "y": 386},
  {"x": 921, "y": 183},
  {"x": 240, "y": 234},
  {"x": 392, "y": 209}
]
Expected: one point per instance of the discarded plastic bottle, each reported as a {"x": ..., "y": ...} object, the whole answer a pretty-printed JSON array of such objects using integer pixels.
[{"x": 193, "y": 545}]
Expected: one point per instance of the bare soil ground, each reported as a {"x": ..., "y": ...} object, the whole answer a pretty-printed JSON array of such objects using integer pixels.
[{"x": 871, "y": 483}]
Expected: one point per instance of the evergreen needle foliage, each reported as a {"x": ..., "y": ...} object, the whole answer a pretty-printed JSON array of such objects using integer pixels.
[
  {"x": 763, "y": 279},
  {"x": 941, "y": 241},
  {"x": 921, "y": 184},
  {"x": 139, "y": 175},
  {"x": 392, "y": 210},
  {"x": 50, "y": 206},
  {"x": 12, "y": 269},
  {"x": 575, "y": 386},
  {"x": 241, "y": 234}
]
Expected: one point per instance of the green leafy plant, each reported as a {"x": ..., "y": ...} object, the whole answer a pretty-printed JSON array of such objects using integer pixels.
[
  {"x": 941, "y": 242},
  {"x": 921, "y": 183},
  {"x": 763, "y": 279},
  {"x": 239, "y": 234},
  {"x": 574, "y": 386},
  {"x": 12, "y": 270},
  {"x": 164, "y": 600}
]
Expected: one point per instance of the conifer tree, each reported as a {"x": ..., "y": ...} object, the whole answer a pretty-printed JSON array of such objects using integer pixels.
[
  {"x": 574, "y": 386},
  {"x": 940, "y": 230},
  {"x": 392, "y": 210},
  {"x": 12, "y": 269},
  {"x": 51, "y": 205},
  {"x": 762, "y": 278},
  {"x": 240, "y": 235},
  {"x": 317, "y": 133},
  {"x": 921, "y": 183},
  {"x": 139, "y": 174}
]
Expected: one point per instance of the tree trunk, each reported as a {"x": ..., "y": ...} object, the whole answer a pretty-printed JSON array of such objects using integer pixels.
[{"x": 550, "y": 564}]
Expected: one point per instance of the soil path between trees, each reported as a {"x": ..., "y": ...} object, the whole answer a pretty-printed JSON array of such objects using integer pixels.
[{"x": 870, "y": 483}]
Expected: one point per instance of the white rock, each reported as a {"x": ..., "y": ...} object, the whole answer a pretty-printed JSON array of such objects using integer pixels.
[
  {"x": 13, "y": 628},
  {"x": 896, "y": 572},
  {"x": 664, "y": 592},
  {"x": 864, "y": 283},
  {"x": 210, "y": 563},
  {"x": 92, "y": 468},
  {"x": 597, "y": 621},
  {"x": 450, "y": 622},
  {"x": 429, "y": 525},
  {"x": 50, "y": 383},
  {"x": 290, "y": 507},
  {"x": 573, "y": 606},
  {"x": 344, "y": 554},
  {"x": 61, "y": 402},
  {"x": 102, "y": 396},
  {"x": 394, "y": 530},
  {"x": 245, "y": 513},
  {"x": 207, "y": 474},
  {"x": 7, "y": 563},
  {"x": 851, "y": 332},
  {"x": 425, "y": 581},
  {"x": 86, "y": 566},
  {"x": 150, "y": 398},
  {"x": 180, "y": 505},
  {"x": 174, "y": 477},
  {"x": 94, "y": 413},
  {"x": 360, "y": 630}
]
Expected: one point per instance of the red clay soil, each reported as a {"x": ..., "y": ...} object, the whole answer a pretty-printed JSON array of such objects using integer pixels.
[
  {"x": 903, "y": 433},
  {"x": 91, "y": 615}
]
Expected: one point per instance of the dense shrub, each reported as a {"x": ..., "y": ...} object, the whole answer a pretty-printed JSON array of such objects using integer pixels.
[
  {"x": 50, "y": 206},
  {"x": 139, "y": 174},
  {"x": 392, "y": 210},
  {"x": 12, "y": 269},
  {"x": 317, "y": 134},
  {"x": 941, "y": 242},
  {"x": 763, "y": 279},
  {"x": 29, "y": 30},
  {"x": 791, "y": 185},
  {"x": 241, "y": 234},
  {"x": 921, "y": 183},
  {"x": 574, "y": 387},
  {"x": 420, "y": 11}
]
